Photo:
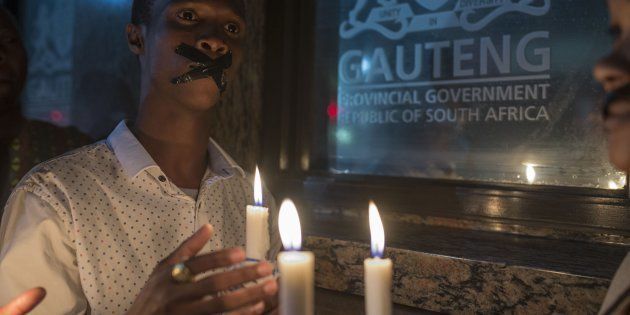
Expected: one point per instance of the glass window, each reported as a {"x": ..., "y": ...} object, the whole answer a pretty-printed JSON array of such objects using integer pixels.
[
  {"x": 48, "y": 29},
  {"x": 484, "y": 90},
  {"x": 81, "y": 72}
]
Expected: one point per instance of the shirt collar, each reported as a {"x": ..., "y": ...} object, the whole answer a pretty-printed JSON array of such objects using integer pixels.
[
  {"x": 220, "y": 162},
  {"x": 135, "y": 159}
]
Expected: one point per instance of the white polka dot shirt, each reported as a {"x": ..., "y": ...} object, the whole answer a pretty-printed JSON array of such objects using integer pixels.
[{"x": 91, "y": 225}]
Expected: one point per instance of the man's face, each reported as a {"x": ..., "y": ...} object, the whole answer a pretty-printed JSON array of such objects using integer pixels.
[
  {"x": 212, "y": 26},
  {"x": 12, "y": 62},
  {"x": 613, "y": 75}
]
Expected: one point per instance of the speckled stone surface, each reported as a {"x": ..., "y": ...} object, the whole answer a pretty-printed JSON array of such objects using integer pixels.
[{"x": 459, "y": 286}]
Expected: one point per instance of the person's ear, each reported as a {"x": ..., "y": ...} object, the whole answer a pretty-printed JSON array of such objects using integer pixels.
[{"x": 135, "y": 39}]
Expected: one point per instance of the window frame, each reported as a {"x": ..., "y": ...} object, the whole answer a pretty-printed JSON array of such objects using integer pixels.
[{"x": 286, "y": 137}]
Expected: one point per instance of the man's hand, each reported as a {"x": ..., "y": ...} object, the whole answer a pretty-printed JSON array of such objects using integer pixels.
[
  {"x": 271, "y": 304},
  {"x": 24, "y": 303},
  {"x": 163, "y": 295}
]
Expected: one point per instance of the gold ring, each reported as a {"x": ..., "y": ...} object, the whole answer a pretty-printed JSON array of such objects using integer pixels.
[{"x": 181, "y": 273}]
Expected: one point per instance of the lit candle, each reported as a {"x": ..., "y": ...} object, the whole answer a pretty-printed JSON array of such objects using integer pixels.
[
  {"x": 378, "y": 271},
  {"x": 530, "y": 173},
  {"x": 297, "y": 268},
  {"x": 257, "y": 225}
]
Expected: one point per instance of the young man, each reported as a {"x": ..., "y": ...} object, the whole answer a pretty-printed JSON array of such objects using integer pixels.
[
  {"x": 93, "y": 226},
  {"x": 613, "y": 72}
]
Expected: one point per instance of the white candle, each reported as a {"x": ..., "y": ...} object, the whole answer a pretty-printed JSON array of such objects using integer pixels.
[
  {"x": 257, "y": 225},
  {"x": 297, "y": 268},
  {"x": 378, "y": 271}
]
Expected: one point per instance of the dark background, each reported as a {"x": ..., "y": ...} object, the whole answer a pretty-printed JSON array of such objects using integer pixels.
[{"x": 82, "y": 74}]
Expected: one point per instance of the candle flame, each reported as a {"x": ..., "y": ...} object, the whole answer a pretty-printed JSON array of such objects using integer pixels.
[
  {"x": 530, "y": 172},
  {"x": 289, "y": 225},
  {"x": 612, "y": 185},
  {"x": 621, "y": 183},
  {"x": 257, "y": 189},
  {"x": 377, "y": 232}
]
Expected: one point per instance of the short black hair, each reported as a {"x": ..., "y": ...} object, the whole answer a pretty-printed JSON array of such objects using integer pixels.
[{"x": 141, "y": 11}]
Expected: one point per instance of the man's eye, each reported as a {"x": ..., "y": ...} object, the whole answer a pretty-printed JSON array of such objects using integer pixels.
[
  {"x": 232, "y": 28},
  {"x": 188, "y": 15}
]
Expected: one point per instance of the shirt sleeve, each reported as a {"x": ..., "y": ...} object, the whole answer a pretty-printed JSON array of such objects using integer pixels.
[{"x": 36, "y": 250}]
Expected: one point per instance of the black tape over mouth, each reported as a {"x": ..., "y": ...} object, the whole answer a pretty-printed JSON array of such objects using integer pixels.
[{"x": 205, "y": 67}]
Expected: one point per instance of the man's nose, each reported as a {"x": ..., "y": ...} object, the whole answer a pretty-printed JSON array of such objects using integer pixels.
[{"x": 213, "y": 46}]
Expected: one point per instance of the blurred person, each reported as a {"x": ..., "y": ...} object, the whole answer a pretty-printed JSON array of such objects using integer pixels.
[
  {"x": 12, "y": 78},
  {"x": 93, "y": 226},
  {"x": 613, "y": 73}
]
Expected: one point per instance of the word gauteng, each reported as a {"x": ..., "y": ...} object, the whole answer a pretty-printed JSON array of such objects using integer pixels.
[{"x": 460, "y": 58}]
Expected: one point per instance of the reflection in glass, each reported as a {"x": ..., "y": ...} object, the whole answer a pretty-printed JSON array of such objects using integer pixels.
[
  {"x": 464, "y": 90},
  {"x": 530, "y": 173}
]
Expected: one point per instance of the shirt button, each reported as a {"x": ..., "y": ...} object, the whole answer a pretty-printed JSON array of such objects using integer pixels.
[{"x": 162, "y": 178}]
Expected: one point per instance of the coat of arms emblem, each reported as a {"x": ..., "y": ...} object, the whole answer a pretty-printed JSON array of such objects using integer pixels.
[{"x": 394, "y": 19}]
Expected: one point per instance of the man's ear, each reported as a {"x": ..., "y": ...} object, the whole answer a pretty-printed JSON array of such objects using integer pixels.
[{"x": 135, "y": 39}]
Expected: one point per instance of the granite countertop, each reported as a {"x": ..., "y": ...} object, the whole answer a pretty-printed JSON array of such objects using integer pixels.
[
  {"x": 451, "y": 270},
  {"x": 565, "y": 256},
  {"x": 458, "y": 286}
]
